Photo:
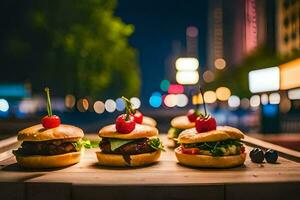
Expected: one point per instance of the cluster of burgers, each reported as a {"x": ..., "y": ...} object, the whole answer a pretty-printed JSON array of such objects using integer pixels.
[{"x": 132, "y": 141}]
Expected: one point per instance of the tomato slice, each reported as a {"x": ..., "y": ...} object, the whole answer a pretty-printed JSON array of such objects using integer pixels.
[
  {"x": 192, "y": 151},
  {"x": 242, "y": 149}
]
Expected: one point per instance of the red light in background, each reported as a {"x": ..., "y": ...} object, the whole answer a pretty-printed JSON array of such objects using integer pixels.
[{"x": 175, "y": 89}]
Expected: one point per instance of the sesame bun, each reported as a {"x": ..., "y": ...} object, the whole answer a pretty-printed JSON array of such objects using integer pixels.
[
  {"x": 37, "y": 161},
  {"x": 222, "y": 133},
  {"x": 210, "y": 161},
  {"x": 182, "y": 122},
  {"x": 149, "y": 121},
  {"x": 39, "y": 133},
  {"x": 140, "y": 131},
  {"x": 136, "y": 160}
]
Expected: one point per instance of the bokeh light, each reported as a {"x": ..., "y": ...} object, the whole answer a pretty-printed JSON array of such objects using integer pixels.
[
  {"x": 274, "y": 98},
  {"x": 192, "y": 31},
  {"x": 136, "y": 102},
  {"x": 70, "y": 101},
  {"x": 234, "y": 101},
  {"x": 155, "y": 101},
  {"x": 264, "y": 99},
  {"x": 120, "y": 104},
  {"x": 210, "y": 97},
  {"x": 4, "y": 106},
  {"x": 99, "y": 107},
  {"x": 28, "y": 106},
  {"x": 197, "y": 99},
  {"x": 255, "y": 101},
  {"x": 110, "y": 105},
  {"x": 245, "y": 103},
  {"x": 170, "y": 100},
  {"x": 220, "y": 63},
  {"x": 223, "y": 93},
  {"x": 164, "y": 85},
  {"x": 182, "y": 100},
  {"x": 208, "y": 76},
  {"x": 187, "y": 64},
  {"x": 175, "y": 89},
  {"x": 294, "y": 94},
  {"x": 285, "y": 105},
  {"x": 82, "y": 105},
  {"x": 187, "y": 77}
]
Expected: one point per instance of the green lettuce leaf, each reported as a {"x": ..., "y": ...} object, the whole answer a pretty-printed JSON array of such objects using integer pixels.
[
  {"x": 116, "y": 143},
  {"x": 84, "y": 143},
  {"x": 156, "y": 144}
]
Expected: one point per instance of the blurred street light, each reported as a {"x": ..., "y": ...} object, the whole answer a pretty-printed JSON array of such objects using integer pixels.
[
  {"x": 264, "y": 80},
  {"x": 255, "y": 101},
  {"x": 110, "y": 105},
  {"x": 187, "y": 64},
  {"x": 223, "y": 93},
  {"x": 234, "y": 101},
  {"x": 4, "y": 106},
  {"x": 290, "y": 75},
  {"x": 220, "y": 63},
  {"x": 99, "y": 107},
  {"x": 294, "y": 94},
  {"x": 274, "y": 98},
  {"x": 208, "y": 76},
  {"x": 187, "y": 73},
  {"x": 187, "y": 77},
  {"x": 210, "y": 97},
  {"x": 264, "y": 99}
]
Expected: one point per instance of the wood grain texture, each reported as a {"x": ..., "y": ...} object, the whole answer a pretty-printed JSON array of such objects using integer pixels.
[{"x": 165, "y": 179}]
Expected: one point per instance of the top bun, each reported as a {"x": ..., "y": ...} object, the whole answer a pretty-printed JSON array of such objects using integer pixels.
[
  {"x": 39, "y": 133},
  {"x": 149, "y": 121},
  {"x": 182, "y": 122},
  {"x": 140, "y": 131},
  {"x": 222, "y": 133}
]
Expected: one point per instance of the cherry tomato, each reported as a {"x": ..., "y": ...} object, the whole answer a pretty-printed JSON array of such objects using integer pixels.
[
  {"x": 192, "y": 151},
  {"x": 125, "y": 126},
  {"x": 138, "y": 117},
  {"x": 205, "y": 124},
  {"x": 242, "y": 149},
  {"x": 51, "y": 121},
  {"x": 192, "y": 115}
]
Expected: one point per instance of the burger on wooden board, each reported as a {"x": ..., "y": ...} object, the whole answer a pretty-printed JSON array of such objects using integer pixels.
[
  {"x": 128, "y": 143},
  {"x": 209, "y": 146},
  {"x": 50, "y": 144}
]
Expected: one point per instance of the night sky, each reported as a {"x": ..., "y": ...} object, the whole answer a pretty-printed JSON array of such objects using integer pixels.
[{"x": 158, "y": 23}]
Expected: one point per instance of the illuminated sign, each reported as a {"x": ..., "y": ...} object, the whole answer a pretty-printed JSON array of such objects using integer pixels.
[
  {"x": 290, "y": 75},
  {"x": 187, "y": 73},
  {"x": 187, "y": 64},
  {"x": 264, "y": 80},
  {"x": 14, "y": 91}
]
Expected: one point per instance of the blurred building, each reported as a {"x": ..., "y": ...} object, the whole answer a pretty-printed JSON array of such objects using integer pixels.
[
  {"x": 237, "y": 28},
  {"x": 288, "y": 26}
]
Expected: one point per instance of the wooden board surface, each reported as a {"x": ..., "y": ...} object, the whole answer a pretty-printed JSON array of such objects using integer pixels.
[{"x": 167, "y": 173}]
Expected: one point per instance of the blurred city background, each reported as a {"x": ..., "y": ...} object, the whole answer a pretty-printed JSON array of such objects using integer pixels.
[{"x": 245, "y": 54}]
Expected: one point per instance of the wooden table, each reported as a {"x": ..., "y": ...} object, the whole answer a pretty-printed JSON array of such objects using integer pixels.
[{"x": 163, "y": 180}]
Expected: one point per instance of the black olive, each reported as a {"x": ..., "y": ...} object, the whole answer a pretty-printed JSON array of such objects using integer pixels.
[
  {"x": 271, "y": 156},
  {"x": 257, "y": 155}
]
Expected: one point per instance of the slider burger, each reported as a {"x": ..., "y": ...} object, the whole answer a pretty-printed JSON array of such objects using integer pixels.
[
  {"x": 181, "y": 123},
  {"x": 149, "y": 121},
  {"x": 128, "y": 143},
  {"x": 209, "y": 146},
  {"x": 50, "y": 144},
  {"x": 49, "y": 147}
]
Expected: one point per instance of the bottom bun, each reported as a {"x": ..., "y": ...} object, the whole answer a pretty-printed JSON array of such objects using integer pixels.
[
  {"x": 37, "y": 161},
  {"x": 210, "y": 161},
  {"x": 135, "y": 160}
]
